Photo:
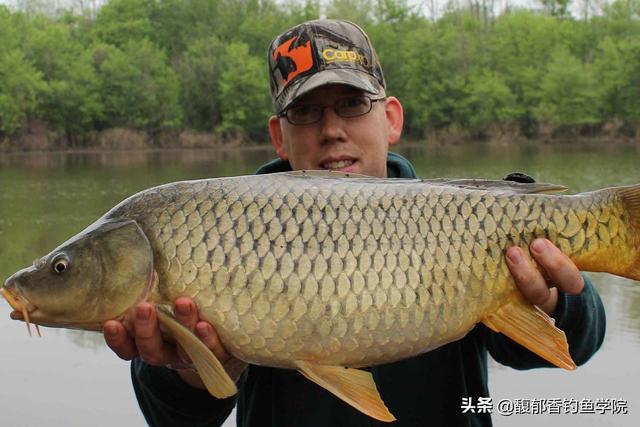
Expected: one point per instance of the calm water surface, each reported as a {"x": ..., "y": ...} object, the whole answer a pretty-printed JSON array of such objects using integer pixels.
[{"x": 70, "y": 378}]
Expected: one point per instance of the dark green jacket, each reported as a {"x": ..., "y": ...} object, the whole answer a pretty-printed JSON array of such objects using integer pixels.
[{"x": 426, "y": 390}]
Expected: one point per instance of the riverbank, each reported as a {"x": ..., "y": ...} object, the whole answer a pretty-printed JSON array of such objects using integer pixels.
[
  {"x": 41, "y": 139},
  {"x": 38, "y": 137}
]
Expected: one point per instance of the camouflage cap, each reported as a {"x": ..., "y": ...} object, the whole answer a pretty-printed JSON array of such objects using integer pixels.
[{"x": 317, "y": 53}]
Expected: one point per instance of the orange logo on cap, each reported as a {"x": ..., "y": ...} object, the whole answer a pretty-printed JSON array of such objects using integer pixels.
[{"x": 297, "y": 60}]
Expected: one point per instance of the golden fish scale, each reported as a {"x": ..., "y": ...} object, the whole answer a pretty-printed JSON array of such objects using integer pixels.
[{"x": 350, "y": 272}]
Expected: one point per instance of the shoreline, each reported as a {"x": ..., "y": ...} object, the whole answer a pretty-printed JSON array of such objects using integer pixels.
[{"x": 409, "y": 142}]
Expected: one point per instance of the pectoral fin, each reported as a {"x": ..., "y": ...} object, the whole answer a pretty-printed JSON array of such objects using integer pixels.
[
  {"x": 209, "y": 368},
  {"x": 354, "y": 386},
  {"x": 532, "y": 328}
]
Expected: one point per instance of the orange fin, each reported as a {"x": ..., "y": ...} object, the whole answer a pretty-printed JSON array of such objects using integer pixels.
[
  {"x": 354, "y": 386},
  {"x": 630, "y": 196},
  {"x": 211, "y": 371},
  {"x": 532, "y": 328}
]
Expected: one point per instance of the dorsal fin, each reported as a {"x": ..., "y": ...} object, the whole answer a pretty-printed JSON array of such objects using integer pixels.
[
  {"x": 467, "y": 183},
  {"x": 488, "y": 184},
  {"x": 326, "y": 174}
]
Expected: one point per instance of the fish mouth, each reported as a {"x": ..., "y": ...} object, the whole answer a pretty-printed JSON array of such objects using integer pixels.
[{"x": 22, "y": 308}]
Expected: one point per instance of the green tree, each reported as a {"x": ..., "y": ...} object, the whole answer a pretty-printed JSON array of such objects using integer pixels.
[
  {"x": 199, "y": 70},
  {"x": 558, "y": 8},
  {"x": 439, "y": 59},
  {"x": 569, "y": 94},
  {"x": 72, "y": 102},
  {"x": 395, "y": 12},
  {"x": 244, "y": 91},
  {"x": 617, "y": 68},
  {"x": 489, "y": 101},
  {"x": 170, "y": 25},
  {"x": 622, "y": 18},
  {"x": 394, "y": 40},
  {"x": 137, "y": 86},
  {"x": 359, "y": 11},
  {"x": 521, "y": 44},
  {"x": 20, "y": 85},
  {"x": 10, "y": 24},
  {"x": 120, "y": 21},
  {"x": 262, "y": 22}
]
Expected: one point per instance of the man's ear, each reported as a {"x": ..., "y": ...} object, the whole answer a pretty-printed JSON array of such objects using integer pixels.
[
  {"x": 395, "y": 118},
  {"x": 275, "y": 131}
]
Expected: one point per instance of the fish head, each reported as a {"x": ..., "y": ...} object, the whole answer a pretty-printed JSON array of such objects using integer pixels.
[{"x": 93, "y": 277}]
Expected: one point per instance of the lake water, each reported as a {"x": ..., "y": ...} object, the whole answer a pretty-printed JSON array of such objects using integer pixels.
[{"x": 70, "y": 378}]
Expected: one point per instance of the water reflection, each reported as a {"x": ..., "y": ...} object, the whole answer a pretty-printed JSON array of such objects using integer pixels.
[
  {"x": 622, "y": 298},
  {"x": 46, "y": 198}
]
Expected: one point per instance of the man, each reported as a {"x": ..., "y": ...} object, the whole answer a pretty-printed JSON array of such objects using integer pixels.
[{"x": 332, "y": 112}]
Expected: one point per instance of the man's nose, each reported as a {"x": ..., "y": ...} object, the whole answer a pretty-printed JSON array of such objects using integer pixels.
[{"x": 332, "y": 125}]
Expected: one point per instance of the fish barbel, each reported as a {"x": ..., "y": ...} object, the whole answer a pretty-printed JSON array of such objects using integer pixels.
[{"x": 319, "y": 271}]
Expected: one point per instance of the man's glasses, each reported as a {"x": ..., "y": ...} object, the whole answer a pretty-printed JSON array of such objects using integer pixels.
[{"x": 349, "y": 107}]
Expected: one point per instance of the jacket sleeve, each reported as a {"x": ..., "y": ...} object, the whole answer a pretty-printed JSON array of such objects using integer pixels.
[
  {"x": 581, "y": 317},
  {"x": 167, "y": 401}
]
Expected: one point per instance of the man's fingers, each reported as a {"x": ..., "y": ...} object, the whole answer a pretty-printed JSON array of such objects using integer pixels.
[
  {"x": 527, "y": 277},
  {"x": 148, "y": 338},
  {"x": 208, "y": 335},
  {"x": 562, "y": 272},
  {"x": 186, "y": 312},
  {"x": 118, "y": 340},
  {"x": 148, "y": 342}
]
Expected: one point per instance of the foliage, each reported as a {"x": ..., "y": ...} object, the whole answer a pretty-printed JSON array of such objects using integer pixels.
[
  {"x": 154, "y": 65},
  {"x": 20, "y": 85},
  {"x": 244, "y": 87},
  {"x": 199, "y": 70},
  {"x": 137, "y": 86},
  {"x": 72, "y": 102},
  {"x": 568, "y": 92},
  {"x": 617, "y": 68},
  {"x": 489, "y": 101}
]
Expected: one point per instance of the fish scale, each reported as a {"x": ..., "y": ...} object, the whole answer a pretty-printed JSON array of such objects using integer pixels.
[
  {"x": 266, "y": 233},
  {"x": 317, "y": 271}
]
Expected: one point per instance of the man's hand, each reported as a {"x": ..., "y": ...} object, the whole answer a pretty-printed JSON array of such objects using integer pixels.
[
  {"x": 540, "y": 286},
  {"x": 142, "y": 338}
]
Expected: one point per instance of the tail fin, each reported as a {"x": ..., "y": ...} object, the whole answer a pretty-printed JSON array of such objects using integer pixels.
[{"x": 630, "y": 197}]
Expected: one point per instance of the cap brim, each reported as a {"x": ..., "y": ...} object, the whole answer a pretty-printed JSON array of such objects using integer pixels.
[{"x": 350, "y": 77}]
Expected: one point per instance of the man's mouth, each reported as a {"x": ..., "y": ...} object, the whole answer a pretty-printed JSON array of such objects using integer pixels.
[{"x": 337, "y": 164}]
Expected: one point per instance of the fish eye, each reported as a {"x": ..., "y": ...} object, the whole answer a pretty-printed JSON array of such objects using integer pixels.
[{"x": 60, "y": 265}]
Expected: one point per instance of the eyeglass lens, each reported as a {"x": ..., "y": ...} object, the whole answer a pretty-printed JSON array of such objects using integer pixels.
[{"x": 352, "y": 106}]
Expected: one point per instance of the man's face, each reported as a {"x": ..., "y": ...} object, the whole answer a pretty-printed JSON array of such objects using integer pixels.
[{"x": 355, "y": 145}]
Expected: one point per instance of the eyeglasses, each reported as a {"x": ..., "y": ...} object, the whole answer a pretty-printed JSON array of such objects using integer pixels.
[{"x": 349, "y": 107}]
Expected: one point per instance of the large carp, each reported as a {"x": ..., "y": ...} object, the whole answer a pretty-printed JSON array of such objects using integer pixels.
[{"x": 319, "y": 271}]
